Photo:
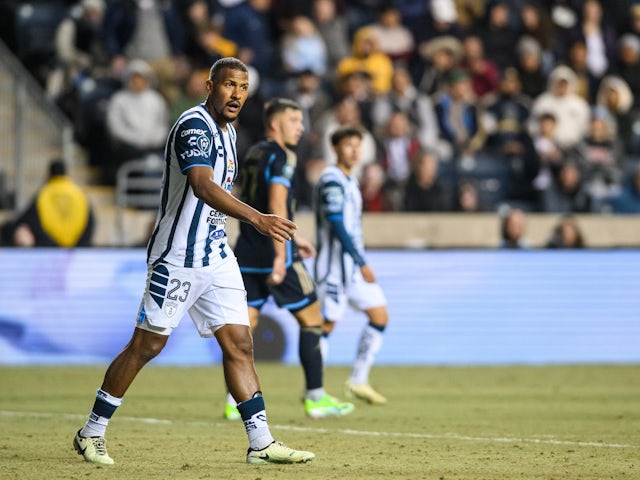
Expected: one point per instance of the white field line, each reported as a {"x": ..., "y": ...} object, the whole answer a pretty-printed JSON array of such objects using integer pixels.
[{"x": 546, "y": 440}]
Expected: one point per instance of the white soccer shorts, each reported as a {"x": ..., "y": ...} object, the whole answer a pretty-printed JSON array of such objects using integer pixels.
[
  {"x": 335, "y": 296},
  {"x": 213, "y": 295}
]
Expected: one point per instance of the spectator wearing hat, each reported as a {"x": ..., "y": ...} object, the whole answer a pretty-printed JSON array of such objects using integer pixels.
[
  {"x": 616, "y": 97},
  {"x": 137, "y": 119},
  {"x": 627, "y": 65},
  {"x": 570, "y": 110},
  {"x": 441, "y": 56},
  {"x": 458, "y": 118},
  {"x": 530, "y": 67}
]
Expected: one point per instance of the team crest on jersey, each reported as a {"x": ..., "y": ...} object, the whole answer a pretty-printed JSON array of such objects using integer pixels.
[
  {"x": 170, "y": 309},
  {"x": 287, "y": 171},
  {"x": 204, "y": 145}
]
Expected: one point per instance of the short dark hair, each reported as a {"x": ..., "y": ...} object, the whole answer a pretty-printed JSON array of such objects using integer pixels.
[
  {"x": 226, "y": 62},
  {"x": 278, "y": 105},
  {"x": 345, "y": 131},
  {"x": 57, "y": 168}
]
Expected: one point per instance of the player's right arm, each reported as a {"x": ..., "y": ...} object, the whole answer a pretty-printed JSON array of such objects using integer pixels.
[{"x": 201, "y": 180}]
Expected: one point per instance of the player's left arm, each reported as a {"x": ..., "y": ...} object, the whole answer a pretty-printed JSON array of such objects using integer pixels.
[
  {"x": 278, "y": 193},
  {"x": 332, "y": 198}
]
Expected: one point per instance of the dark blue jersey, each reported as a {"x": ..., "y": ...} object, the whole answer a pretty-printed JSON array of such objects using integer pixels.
[{"x": 265, "y": 163}]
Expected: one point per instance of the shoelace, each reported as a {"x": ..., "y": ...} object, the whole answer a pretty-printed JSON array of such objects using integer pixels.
[{"x": 100, "y": 445}]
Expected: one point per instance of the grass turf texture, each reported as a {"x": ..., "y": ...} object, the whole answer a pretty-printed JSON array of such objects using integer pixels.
[{"x": 558, "y": 422}]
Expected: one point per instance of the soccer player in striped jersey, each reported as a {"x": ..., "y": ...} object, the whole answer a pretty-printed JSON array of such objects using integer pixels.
[
  {"x": 274, "y": 268},
  {"x": 341, "y": 271},
  {"x": 192, "y": 269}
]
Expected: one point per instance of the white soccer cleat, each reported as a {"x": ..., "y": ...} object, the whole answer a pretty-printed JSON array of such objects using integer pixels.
[
  {"x": 365, "y": 392},
  {"x": 278, "y": 452},
  {"x": 93, "y": 449}
]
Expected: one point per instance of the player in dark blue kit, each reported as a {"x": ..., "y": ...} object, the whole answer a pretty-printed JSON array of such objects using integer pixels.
[{"x": 273, "y": 268}]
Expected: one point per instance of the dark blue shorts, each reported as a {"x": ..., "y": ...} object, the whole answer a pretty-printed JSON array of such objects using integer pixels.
[{"x": 294, "y": 293}]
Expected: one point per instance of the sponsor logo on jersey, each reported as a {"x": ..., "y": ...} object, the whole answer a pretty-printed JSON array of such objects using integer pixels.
[
  {"x": 216, "y": 234},
  {"x": 192, "y": 131}
]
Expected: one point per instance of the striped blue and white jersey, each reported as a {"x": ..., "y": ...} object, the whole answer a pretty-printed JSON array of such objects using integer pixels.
[
  {"x": 338, "y": 214},
  {"x": 188, "y": 232}
]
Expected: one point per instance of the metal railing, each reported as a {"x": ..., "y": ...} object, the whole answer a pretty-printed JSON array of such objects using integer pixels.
[{"x": 32, "y": 132}]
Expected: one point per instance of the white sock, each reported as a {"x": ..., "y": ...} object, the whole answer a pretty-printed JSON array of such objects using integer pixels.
[
  {"x": 103, "y": 408},
  {"x": 369, "y": 344},
  {"x": 254, "y": 418},
  {"x": 315, "y": 394}
]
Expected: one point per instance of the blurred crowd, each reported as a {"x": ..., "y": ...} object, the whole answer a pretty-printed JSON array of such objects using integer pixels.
[{"x": 466, "y": 105}]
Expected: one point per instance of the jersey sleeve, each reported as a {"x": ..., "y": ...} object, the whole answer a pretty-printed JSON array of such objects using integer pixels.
[
  {"x": 192, "y": 144},
  {"x": 280, "y": 170},
  {"x": 332, "y": 198}
]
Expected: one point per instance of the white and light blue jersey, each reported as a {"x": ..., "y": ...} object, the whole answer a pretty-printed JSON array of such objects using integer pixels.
[
  {"x": 188, "y": 232},
  {"x": 338, "y": 213}
]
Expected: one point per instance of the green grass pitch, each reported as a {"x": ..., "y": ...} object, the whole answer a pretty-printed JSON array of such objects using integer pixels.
[{"x": 441, "y": 423}]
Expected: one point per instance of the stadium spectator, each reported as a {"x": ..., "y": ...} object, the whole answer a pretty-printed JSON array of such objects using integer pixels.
[
  {"x": 627, "y": 66},
  {"x": 333, "y": 28},
  {"x": 483, "y": 73},
  {"x": 627, "y": 201},
  {"x": 405, "y": 97},
  {"x": 467, "y": 198},
  {"x": 424, "y": 191},
  {"x": 80, "y": 51},
  {"x": 394, "y": 38},
  {"x": 504, "y": 119},
  {"x": 346, "y": 111},
  {"x": 303, "y": 48},
  {"x": 149, "y": 30},
  {"x": 530, "y": 67},
  {"x": 599, "y": 37},
  {"x": 358, "y": 86},
  {"x": 600, "y": 152},
  {"x": 498, "y": 34},
  {"x": 458, "y": 117},
  {"x": 513, "y": 227},
  {"x": 566, "y": 235},
  {"x": 567, "y": 192},
  {"x": 536, "y": 24},
  {"x": 248, "y": 25},
  {"x": 586, "y": 82},
  {"x": 441, "y": 56},
  {"x": 614, "y": 95},
  {"x": 366, "y": 56},
  {"x": 570, "y": 110},
  {"x": 137, "y": 119},
  {"x": 399, "y": 145},
  {"x": 60, "y": 215},
  {"x": 374, "y": 189}
]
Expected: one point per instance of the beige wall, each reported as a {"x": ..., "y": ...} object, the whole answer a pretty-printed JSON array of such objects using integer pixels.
[{"x": 403, "y": 230}]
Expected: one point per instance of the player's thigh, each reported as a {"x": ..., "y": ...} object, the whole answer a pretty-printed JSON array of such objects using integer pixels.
[
  {"x": 333, "y": 300},
  {"x": 223, "y": 302},
  {"x": 257, "y": 290},
  {"x": 364, "y": 295}
]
